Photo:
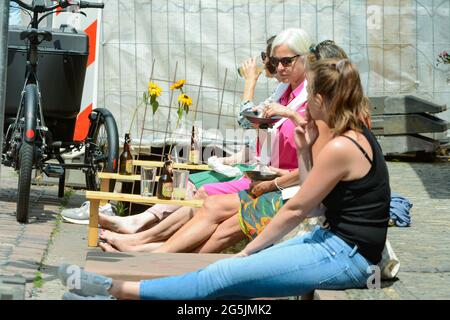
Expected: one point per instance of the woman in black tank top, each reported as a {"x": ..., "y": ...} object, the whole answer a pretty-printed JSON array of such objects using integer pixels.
[{"x": 350, "y": 176}]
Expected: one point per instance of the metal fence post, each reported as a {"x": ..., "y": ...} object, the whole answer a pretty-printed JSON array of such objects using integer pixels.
[{"x": 4, "y": 19}]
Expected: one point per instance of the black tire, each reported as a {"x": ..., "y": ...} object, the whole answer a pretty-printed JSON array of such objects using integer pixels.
[
  {"x": 26, "y": 155},
  {"x": 105, "y": 137}
]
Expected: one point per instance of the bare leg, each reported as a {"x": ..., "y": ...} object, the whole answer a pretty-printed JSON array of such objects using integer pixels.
[
  {"x": 125, "y": 290},
  {"x": 131, "y": 224},
  {"x": 144, "y": 220},
  {"x": 227, "y": 234},
  {"x": 161, "y": 231},
  {"x": 215, "y": 210},
  {"x": 148, "y": 247}
]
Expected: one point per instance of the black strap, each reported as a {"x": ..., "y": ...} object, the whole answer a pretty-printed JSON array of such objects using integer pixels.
[{"x": 360, "y": 148}]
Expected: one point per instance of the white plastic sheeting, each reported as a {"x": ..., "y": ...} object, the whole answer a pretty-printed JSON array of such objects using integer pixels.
[{"x": 394, "y": 43}]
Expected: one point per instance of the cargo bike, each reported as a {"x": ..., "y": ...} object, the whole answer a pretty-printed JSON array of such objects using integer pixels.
[{"x": 46, "y": 73}]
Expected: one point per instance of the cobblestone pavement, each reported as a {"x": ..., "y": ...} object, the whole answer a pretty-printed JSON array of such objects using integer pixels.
[
  {"x": 423, "y": 249},
  {"x": 22, "y": 247}
]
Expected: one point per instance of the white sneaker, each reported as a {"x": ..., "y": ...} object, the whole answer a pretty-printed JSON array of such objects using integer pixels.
[{"x": 81, "y": 215}]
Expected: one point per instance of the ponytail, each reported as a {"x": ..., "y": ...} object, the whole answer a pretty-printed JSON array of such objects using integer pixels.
[{"x": 339, "y": 83}]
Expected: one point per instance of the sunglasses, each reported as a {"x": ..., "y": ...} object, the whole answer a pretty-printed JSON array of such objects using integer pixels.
[
  {"x": 285, "y": 61},
  {"x": 316, "y": 49}
]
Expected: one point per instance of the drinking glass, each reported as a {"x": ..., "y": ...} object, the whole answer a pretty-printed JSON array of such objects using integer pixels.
[
  {"x": 148, "y": 178},
  {"x": 180, "y": 184},
  {"x": 259, "y": 67}
]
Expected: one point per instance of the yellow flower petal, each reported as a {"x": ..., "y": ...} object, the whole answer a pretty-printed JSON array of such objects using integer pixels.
[
  {"x": 184, "y": 100},
  {"x": 154, "y": 89},
  {"x": 178, "y": 85}
]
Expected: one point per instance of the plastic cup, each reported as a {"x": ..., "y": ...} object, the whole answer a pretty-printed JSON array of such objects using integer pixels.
[
  {"x": 148, "y": 179},
  {"x": 180, "y": 184}
]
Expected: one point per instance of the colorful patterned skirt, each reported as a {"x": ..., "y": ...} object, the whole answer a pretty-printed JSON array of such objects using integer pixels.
[{"x": 256, "y": 213}]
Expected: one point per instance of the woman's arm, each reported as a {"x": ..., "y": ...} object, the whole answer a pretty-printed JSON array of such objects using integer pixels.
[
  {"x": 276, "y": 109},
  {"x": 251, "y": 74},
  {"x": 331, "y": 167},
  {"x": 259, "y": 188}
]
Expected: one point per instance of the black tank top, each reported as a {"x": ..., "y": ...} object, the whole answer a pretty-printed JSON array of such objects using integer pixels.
[{"x": 358, "y": 210}]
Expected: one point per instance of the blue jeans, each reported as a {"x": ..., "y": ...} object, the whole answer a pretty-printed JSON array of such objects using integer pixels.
[{"x": 317, "y": 260}]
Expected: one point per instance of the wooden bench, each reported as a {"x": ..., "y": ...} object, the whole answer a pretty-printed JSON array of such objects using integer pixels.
[
  {"x": 146, "y": 266},
  {"x": 141, "y": 266}
]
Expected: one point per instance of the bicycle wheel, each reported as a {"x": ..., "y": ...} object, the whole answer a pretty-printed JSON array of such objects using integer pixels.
[
  {"x": 26, "y": 155},
  {"x": 103, "y": 149}
]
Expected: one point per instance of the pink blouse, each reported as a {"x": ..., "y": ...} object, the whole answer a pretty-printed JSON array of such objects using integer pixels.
[{"x": 285, "y": 158}]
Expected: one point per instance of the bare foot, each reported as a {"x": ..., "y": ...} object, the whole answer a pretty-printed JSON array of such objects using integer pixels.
[
  {"x": 122, "y": 242},
  {"x": 106, "y": 247}
]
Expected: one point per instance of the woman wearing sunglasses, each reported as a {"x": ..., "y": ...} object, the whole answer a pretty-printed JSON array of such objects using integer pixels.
[
  {"x": 250, "y": 71},
  {"x": 338, "y": 257}
]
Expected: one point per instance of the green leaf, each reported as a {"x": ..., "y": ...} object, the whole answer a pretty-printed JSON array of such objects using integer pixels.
[
  {"x": 155, "y": 106},
  {"x": 152, "y": 99},
  {"x": 180, "y": 112}
]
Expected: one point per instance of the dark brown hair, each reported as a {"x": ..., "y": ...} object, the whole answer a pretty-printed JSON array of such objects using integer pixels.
[{"x": 270, "y": 67}]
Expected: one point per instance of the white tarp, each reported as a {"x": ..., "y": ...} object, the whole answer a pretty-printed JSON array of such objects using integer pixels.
[{"x": 395, "y": 44}]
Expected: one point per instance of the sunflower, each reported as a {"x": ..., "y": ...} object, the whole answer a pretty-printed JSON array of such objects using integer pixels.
[
  {"x": 184, "y": 100},
  {"x": 154, "y": 89},
  {"x": 178, "y": 85}
]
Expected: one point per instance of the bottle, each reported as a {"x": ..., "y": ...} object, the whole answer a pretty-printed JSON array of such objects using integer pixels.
[
  {"x": 126, "y": 159},
  {"x": 194, "y": 150},
  {"x": 165, "y": 182}
]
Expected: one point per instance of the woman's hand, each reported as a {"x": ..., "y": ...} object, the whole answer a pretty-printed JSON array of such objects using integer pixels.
[
  {"x": 257, "y": 188},
  {"x": 276, "y": 109},
  {"x": 250, "y": 70},
  {"x": 306, "y": 133}
]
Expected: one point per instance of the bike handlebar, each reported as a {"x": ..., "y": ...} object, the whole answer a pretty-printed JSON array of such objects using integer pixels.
[
  {"x": 94, "y": 5},
  {"x": 41, "y": 8}
]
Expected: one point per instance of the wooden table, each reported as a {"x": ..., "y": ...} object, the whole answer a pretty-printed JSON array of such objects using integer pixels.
[{"x": 183, "y": 166}]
